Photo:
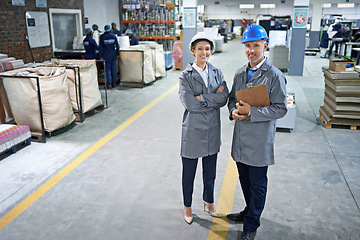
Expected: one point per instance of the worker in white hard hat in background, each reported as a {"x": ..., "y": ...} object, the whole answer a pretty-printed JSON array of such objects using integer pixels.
[
  {"x": 254, "y": 130},
  {"x": 202, "y": 91},
  {"x": 109, "y": 51},
  {"x": 133, "y": 39},
  {"x": 96, "y": 33},
  {"x": 90, "y": 45}
]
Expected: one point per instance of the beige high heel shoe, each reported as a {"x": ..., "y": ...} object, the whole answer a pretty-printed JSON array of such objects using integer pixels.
[
  {"x": 188, "y": 220},
  {"x": 213, "y": 214}
]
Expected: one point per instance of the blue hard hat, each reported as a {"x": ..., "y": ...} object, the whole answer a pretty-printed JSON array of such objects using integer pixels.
[
  {"x": 95, "y": 26},
  {"x": 107, "y": 28},
  {"x": 113, "y": 23},
  {"x": 254, "y": 33},
  {"x": 87, "y": 31},
  {"x": 128, "y": 31}
]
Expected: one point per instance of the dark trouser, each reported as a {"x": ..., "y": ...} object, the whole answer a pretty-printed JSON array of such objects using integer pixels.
[
  {"x": 111, "y": 73},
  {"x": 253, "y": 182},
  {"x": 188, "y": 176}
]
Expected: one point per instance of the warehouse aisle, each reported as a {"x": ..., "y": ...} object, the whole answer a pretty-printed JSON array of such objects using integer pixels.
[{"x": 127, "y": 185}]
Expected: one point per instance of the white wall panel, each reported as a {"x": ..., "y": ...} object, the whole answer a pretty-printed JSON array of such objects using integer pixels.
[{"x": 101, "y": 12}]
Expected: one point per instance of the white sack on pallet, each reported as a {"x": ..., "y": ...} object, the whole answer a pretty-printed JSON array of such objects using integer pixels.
[
  {"x": 157, "y": 54},
  {"x": 90, "y": 94},
  {"x": 131, "y": 63},
  {"x": 23, "y": 98}
]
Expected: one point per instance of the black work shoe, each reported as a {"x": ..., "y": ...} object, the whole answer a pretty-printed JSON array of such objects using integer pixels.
[
  {"x": 247, "y": 235},
  {"x": 238, "y": 217}
]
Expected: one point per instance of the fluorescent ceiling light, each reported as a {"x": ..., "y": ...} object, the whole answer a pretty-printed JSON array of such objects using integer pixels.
[
  {"x": 326, "y": 5},
  {"x": 346, "y": 5},
  {"x": 267, "y": 5},
  {"x": 247, "y": 6}
]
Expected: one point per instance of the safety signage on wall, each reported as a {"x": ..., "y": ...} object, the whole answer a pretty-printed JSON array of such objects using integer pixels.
[
  {"x": 189, "y": 18},
  {"x": 300, "y": 17}
]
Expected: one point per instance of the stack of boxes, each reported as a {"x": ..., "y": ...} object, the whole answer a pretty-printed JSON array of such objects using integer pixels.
[{"x": 342, "y": 95}]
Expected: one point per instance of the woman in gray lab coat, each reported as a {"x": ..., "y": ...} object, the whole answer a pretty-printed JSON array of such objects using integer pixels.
[{"x": 202, "y": 92}]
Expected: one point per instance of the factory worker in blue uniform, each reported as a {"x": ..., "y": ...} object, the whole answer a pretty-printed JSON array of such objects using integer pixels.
[
  {"x": 109, "y": 51},
  {"x": 114, "y": 29},
  {"x": 132, "y": 38},
  {"x": 90, "y": 45},
  {"x": 254, "y": 130},
  {"x": 202, "y": 92}
]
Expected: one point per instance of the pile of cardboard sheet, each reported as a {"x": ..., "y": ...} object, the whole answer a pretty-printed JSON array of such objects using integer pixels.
[{"x": 342, "y": 98}]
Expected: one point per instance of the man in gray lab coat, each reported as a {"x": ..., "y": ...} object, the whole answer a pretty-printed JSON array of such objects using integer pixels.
[{"x": 254, "y": 131}]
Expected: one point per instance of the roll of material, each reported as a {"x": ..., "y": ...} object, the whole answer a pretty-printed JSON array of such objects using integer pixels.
[
  {"x": 17, "y": 63},
  {"x": 2, "y": 56},
  {"x": 7, "y": 59}
]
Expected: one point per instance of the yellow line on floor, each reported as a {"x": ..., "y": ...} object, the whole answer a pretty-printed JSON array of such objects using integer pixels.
[
  {"x": 21, "y": 207},
  {"x": 220, "y": 226}
]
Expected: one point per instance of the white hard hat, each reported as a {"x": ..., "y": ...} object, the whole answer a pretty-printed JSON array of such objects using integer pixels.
[{"x": 203, "y": 36}]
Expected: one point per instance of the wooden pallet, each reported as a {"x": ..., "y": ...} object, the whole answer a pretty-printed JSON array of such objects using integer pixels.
[
  {"x": 132, "y": 84},
  {"x": 15, "y": 148},
  {"x": 38, "y": 137},
  {"x": 332, "y": 125},
  {"x": 93, "y": 111}
]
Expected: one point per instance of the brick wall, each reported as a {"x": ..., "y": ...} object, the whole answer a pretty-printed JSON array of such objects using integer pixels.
[{"x": 13, "y": 28}]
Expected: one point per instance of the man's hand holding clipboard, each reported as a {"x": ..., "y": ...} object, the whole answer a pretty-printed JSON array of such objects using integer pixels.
[{"x": 254, "y": 96}]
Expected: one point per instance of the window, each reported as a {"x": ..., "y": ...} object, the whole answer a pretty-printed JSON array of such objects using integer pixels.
[{"x": 65, "y": 24}]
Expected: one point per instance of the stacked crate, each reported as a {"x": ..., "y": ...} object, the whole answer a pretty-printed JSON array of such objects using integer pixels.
[{"x": 342, "y": 99}]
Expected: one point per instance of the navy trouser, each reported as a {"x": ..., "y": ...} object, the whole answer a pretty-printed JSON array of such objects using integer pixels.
[
  {"x": 253, "y": 181},
  {"x": 111, "y": 73},
  {"x": 188, "y": 176}
]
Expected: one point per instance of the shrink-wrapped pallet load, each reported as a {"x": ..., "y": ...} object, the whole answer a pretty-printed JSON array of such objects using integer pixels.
[
  {"x": 279, "y": 57},
  {"x": 13, "y": 135},
  {"x": 22, "y": 95}
]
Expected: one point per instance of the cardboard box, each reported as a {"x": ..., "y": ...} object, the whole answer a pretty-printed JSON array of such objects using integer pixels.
[
  {"x": 181, "y": 35},
  {"x": 178, "y": 65},
  {"x": 342, "y": 65},
  {"x": 180, "y": 44}
]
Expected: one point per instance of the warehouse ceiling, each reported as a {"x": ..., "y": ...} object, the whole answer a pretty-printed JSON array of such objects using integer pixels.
[{"x": 237, "y": 2}]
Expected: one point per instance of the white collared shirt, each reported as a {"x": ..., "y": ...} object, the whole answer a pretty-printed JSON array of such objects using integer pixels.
[
  {"x": 259, "y": 64},
  {"x": 203, "y": 73}
]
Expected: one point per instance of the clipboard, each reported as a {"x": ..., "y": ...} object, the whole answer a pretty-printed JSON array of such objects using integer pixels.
[{"x": 255, "y": 96}]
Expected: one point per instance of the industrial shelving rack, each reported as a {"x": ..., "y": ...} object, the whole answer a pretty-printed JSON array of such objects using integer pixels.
[{"x": 150, "y": 20}]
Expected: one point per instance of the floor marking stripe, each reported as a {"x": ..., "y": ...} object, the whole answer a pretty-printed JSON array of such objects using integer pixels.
[
  {"x": 27, "y": 202},
  {"x": 220, "y": 226}
]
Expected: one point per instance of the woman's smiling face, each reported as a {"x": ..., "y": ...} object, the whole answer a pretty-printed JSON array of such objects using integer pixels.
[{"x": 202, "y": 52}]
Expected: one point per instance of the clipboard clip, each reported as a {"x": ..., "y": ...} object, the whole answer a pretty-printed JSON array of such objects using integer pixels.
[{"x": 249, "y": 85}]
